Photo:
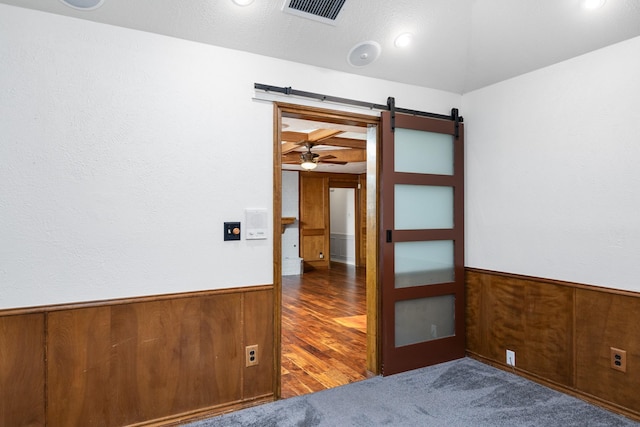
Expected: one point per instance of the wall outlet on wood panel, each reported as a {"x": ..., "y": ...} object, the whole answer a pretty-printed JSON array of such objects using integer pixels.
[
  {"x": 511, "y": 358},
  {"x": 618, "y": 359},
  {"x": 251, "y": 355}
]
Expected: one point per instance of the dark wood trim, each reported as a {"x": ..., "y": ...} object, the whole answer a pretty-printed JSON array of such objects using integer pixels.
[
  {"x": 193, "y": 416},
  {"x": 374, "y": 303},
  {"x": 372, "y": 177},
  {"x": 278, "y": 229},
  {"x": 129, "y": 300},
  {"x": 326, "y": 115},
  {"x": 559, "y": 387},
  {"x": 556, "y": 282}
]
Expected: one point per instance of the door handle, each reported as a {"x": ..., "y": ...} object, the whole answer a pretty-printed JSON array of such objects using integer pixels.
[{"x": 389, "y": 236}]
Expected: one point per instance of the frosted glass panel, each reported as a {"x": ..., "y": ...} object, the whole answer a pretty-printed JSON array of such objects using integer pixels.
[
  {"x": 423, "y": 207},
  {"x": 418, "y": 151},
  {"x": 424, "y": 319},
  {"x": 423, "y": 263}
]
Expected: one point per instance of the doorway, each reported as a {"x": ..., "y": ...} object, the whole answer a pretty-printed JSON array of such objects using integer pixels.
[
  {"x": 414, "y": 304},
  {"x": 342, "y": 208},
  {"x": 315, "y": 254}
]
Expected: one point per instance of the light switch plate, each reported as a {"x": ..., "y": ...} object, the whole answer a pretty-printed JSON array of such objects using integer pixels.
[{"x": 231, "y": 231}]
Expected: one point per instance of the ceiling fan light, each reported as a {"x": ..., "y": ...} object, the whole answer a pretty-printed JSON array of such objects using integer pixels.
[
  {"x": 309, "y": 160},
  {"x": 308, "y": 165}
]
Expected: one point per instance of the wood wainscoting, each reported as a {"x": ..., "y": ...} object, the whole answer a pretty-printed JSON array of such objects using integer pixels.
[
  {"x": 151, "y": 360},
  {"x": 561, "y": 333},
  {"x": 315, "y": 216}
]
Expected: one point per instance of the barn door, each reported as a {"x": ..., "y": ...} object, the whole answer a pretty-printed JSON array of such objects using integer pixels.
[{"x": 422, "y": 242}]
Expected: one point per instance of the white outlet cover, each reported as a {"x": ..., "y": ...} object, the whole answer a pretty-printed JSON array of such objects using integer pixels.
[{"x": 511, "y": 358}]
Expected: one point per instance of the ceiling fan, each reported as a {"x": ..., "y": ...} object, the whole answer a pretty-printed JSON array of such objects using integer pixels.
[
  {"x": 333, "y": 150},
  {"x": 309, "y": 160}
]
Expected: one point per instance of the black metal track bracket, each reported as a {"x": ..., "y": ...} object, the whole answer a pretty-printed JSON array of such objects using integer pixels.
[
  {"x": 456, "y": 122},
  {"x": 391, "y": 104}
]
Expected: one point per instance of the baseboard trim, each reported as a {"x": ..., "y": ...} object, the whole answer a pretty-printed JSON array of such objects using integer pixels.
[
  {"x": 558, "y": 387},
  {"x": 561, "y": 331},
  {"x": 202, "y": 414}
]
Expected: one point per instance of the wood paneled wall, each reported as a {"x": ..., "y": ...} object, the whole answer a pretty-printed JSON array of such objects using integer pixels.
[
  {"x": 22, "y": 370},
  {"x": 561, "y": 332},
  {"x": 136, "y": 361},
  {"x": 314, "y": 216}
]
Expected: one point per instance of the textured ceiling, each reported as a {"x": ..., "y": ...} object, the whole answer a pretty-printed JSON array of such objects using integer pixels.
[{"x": 459, "y": 45}]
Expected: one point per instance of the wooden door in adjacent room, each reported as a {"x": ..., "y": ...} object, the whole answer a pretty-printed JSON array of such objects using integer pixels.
[{"x": 314, "y": 220}]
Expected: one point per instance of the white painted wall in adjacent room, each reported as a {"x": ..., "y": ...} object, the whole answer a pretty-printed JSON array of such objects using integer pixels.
[
  {"x": 552, "y": 178},
  {"x": 342, "y": 222},
  {"x": 342, "y": 210},
  {"x": 291, "y": 232},
  {"x": 123, "y": 152}
]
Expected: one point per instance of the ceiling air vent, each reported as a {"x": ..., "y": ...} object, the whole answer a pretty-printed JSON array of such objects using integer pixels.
[{"x": 325, "y": 11}]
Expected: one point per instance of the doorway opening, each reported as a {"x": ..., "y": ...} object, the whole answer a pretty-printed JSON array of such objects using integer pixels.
[
  {"x": 326, "y": 300},
  {"x": 342, "y": 208}
]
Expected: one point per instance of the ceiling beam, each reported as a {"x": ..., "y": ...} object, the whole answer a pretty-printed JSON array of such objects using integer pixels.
[
  {"x": 294, "y": 136},
  {"x": 345, "y": 142},
  {"x": 353, "y": 155},
  {"x": 288, "y": 147}
]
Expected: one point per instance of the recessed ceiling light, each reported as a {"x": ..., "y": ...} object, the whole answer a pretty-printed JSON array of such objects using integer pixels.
[
  {"x": 404, "y": 40},
  {"x": 243, "y": 2},
  {"x": 593, "y": 4},
  {"x": 83, "y": 4}
]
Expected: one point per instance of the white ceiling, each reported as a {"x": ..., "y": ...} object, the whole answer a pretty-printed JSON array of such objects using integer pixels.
[{"x": 459, "y": 45}]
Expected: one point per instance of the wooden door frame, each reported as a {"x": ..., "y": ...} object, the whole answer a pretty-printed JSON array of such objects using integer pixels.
[{"x": 373, "y": 303}]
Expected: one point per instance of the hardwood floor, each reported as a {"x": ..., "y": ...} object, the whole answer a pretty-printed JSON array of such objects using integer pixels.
[{"x": 323, "y": 329}]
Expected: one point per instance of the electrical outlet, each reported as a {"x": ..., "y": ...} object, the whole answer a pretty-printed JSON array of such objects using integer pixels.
[
  {"x": 251, "y": 355},
  {"x": 511, "y": 358},
  {"x": 618, "y": 359}
]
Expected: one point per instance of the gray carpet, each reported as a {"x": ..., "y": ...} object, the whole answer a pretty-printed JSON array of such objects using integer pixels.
[{"x": 464, "y": 392}]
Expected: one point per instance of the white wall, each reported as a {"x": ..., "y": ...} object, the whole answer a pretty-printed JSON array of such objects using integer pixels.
[
  {"x": 342, "y": 223},
  {"x": 122, "y": 153},
  {"x": 553, "y": 176},
  {"x": 290, "y": 208},
  {"x": 342, "y": 207}
]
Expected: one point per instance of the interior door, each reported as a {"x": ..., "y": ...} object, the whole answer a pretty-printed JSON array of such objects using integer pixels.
[
  {"x": 422, "y": 242},
  {"x": 314, "y": 220}
]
